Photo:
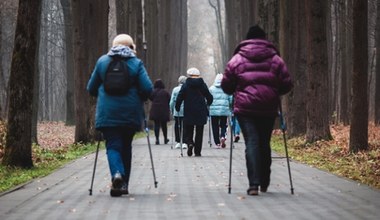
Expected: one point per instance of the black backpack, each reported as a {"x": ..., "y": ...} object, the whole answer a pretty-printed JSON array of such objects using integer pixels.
[{"x": 117, "y": 79}]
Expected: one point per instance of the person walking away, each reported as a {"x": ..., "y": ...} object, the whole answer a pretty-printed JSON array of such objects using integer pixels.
[
  {"x": 257, "y": 76},
  {"x": 196, "y": 97},
  {"x": 178, "y": 115},
  {"x": 159, "y": 111},
  {"x": 119, "y": 117},
  {"x": 220, "y": 110}
]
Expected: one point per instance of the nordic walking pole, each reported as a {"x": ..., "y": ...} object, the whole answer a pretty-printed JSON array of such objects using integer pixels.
[
  {"x": 172, "y": 135},
  {"x": 150, "y": 152},
  {"x": 231, "y": 147},
  {"x": 209, "y": 130},
  {"x": 180, "y": 124},
  {"x": 96, "y": 160},
  {"x": 283, "y": 129}
]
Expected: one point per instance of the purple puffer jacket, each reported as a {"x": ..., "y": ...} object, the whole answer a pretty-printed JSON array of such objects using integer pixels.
[{"x": 257, "y": 76}]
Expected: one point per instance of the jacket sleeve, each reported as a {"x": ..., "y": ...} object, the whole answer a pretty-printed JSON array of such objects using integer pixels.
[
  {"x": 229, "y": 80},
  {"x": 207, "y": 95},
  {"x": 180, "y": 98},
  {"x": 95, "y": 81},
  {"x": 285, "y": 82},
  {"x": 145, "y": 85}
]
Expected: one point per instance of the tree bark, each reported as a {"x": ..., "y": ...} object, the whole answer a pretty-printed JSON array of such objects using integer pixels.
[
  {"x": 293, "y": 46},
  {"x": 317, "y": 125},
  {"x": 377, "y": 77},
  {"x": 90, "y": 28},
  {"x": 69, "y": 58},
  {"x": 18, "y": 150},
  {"x": 359, "y": 114}
]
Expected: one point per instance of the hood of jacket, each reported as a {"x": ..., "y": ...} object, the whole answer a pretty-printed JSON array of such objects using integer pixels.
[
  {"x": 256, "y": 49},
  {"x": 122, "y": 51},
  {"x": 194, "y": 82}
]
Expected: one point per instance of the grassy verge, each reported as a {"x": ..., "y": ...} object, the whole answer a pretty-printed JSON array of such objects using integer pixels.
[
  {"x": 45, "y": 162},
  {"x": 363, "y": 167}
]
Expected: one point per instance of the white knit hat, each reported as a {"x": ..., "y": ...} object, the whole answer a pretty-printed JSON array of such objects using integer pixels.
[{"x": 193, "y": 72}]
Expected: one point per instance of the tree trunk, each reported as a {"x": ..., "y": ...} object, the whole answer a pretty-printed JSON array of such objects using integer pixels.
[
  {"x": 294, "y": 51},
  {"x": 90, "y": 28},
  {"x": 317, "y": 125},
  {"x": 359, "y": 114},
  {"x": 377, "y": 77},
  {"x": 69, "y": 58},
  {"x": 18, "y": 150}
]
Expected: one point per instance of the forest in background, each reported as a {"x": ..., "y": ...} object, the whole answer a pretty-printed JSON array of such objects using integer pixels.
[{"x": 329, "y": 46}]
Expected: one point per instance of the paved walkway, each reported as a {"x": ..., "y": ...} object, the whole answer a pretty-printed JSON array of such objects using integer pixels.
[{"x": 189, "y": 188}]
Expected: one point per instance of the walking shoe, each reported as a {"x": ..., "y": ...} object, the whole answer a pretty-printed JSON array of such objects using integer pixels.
[
  {"x": 178, "y": 146},
  {"x": 124, "y": 189},
  {"x": 157, "y": 142},
  {"x": 166, "y": 141},
  {"x": 184, "y": 146},
  {"x": 190, "y": 150},
  {"x": 222, "y": 142},
  {"x": 117, "y": 183},
  {"x": 253, "y": 191},
  {"x": 237, "y": 138},
  {"x": 217, "y": 146},
  {"x": 263, "y": 189},
  {"x": 197, "y": 155}
]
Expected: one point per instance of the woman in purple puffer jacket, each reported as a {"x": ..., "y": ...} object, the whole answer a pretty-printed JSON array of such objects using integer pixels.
[{"x": 256, "y": 75}]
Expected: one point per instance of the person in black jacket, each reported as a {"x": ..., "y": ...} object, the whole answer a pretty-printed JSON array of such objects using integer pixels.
[
  {"x": 159, "y": 112},
  {"x": 196, "y": 97}
]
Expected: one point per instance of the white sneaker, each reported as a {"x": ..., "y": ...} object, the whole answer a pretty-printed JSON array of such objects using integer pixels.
[
  {"x": 184, "y": 146},
  {"x": 178, "y": 146}
]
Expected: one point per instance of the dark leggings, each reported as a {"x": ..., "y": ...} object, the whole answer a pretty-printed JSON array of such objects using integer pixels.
[{"x": 164, "y": 127}]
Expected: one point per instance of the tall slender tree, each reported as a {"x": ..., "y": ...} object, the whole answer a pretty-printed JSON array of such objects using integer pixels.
[
  {"x": 377, "y": 78},
  {"x": 293, "y": 49},
  {"x": 90, "y": 28},
  {"x": 317, "y": 124},
  {"x": 18, "y": 150},
  {"x": 359, "y": 114}
]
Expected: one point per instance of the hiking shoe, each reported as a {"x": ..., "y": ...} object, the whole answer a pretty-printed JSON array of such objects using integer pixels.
[
  {"x": 237, "y": 138},
  {"x": 184, "y": 146},
  {"x": 253, "y": 191},
  {"x": 223, "y": 142},
  {"x": 263, "y": 189},
  {"x": 178, "y": 146},
  {"x": 117, "y": 183},
  {"x": 124, "y": 189},
  {"x": 190, "y": 150}
]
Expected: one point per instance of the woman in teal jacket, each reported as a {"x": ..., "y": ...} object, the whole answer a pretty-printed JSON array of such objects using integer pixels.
[
  {"x": 220, "y": 110},
  {"x": 119, "y": 117}
]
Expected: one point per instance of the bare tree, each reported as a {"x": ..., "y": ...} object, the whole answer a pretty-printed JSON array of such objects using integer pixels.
[
  {"x": 18, "y": 150},
  {"x": 377, "y": 77},
  {"x": 69, "y": 58},
  {"x": 90, "y": 28},
  {"x": 293, "y": 49},
  {"x": 359, "y": 114},
  {"x": 216, "y": 5},
  {"x": 317, "y": 125}
]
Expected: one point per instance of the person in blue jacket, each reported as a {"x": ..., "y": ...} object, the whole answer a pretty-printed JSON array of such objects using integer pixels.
[
  {"x": 178, "y": 115},
  {"x": 120, "y": 117},
  {"x": 220, "y": 110},
  {"x": 196, "y": 97}
]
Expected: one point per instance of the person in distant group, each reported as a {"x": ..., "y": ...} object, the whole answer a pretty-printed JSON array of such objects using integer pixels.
[
  {"x": 178, "y": 115},
  {"x": 159, "y": 112},
  {"x": 120, "y": 117},
  {"x": 196, "y": 97},
  {"x": 220, "y": 110},
  {"x": 257, "y": 76}
]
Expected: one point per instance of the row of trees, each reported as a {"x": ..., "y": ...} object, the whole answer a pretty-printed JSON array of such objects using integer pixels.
[{"x": 327, "y": 55}]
